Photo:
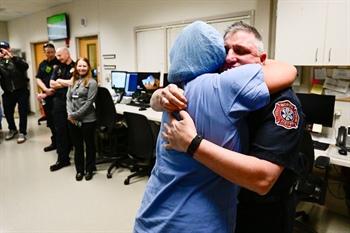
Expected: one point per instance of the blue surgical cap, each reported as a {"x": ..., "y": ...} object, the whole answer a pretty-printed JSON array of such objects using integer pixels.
[{"x": 198, "y": 49}]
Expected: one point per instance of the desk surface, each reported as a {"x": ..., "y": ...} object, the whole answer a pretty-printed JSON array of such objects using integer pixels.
[
  {"x": 149, "y": 112},
  {"x": 336, "y": 158}
]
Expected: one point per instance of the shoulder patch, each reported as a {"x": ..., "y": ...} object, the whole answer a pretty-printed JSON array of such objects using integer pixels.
[{"x": 286, "y": 114}]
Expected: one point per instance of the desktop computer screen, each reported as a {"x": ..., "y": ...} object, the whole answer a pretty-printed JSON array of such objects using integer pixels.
[
  {"x": 148, "y": 81},
  {"x": 165, "y": 80},
  {"x": 118, "y": 79},
  {"x": 318, "y": 109},
  {"x": 130, "y": 84}
]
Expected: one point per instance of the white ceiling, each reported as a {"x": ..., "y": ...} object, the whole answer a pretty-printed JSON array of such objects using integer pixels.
[{"x": 11, "y": 9}]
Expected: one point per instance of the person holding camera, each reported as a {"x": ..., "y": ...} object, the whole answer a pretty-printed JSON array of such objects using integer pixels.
[{"x": 14, "y": 82}]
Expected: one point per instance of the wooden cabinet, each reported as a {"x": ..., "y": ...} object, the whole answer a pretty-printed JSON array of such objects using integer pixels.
[{"x": 313, "y": 32}]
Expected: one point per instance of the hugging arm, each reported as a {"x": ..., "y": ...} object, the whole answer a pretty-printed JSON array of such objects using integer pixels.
[
  {"x": 277, "y": 75},
  {"x": 247, "y": 171}
]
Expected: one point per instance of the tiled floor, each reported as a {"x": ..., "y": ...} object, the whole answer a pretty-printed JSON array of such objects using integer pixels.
[{"x": 33, "y": 199}]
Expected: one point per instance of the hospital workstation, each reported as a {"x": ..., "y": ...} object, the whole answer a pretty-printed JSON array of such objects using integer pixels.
[{"x": 127, "y": 43}]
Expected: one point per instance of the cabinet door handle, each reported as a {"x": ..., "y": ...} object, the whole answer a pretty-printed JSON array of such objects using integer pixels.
[
  {"x": 329, "y": 54},
  {"x": 316, "y": 55}
]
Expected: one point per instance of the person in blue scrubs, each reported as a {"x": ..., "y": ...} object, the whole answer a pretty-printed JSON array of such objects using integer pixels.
[{"x": 183, "y": 195}]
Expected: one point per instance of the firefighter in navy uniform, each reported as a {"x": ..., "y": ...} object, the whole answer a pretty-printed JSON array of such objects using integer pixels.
[
  {"x": 284, "y": 122},
  {"x": 60, "y": 80},
  {"x": 43, "y": 76}
]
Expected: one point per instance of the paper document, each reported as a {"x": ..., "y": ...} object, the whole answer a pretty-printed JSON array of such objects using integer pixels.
[
  {"x": 320, "y": 74},
  {"x": 341, "y": 74},
  {"x": 336, "y": 85},
  {"x": 337, "y": 94}
]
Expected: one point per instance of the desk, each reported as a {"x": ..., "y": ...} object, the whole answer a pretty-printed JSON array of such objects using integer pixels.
[
  {"x": 336, "y": 158},
  {"x": 149, "y": 112}
]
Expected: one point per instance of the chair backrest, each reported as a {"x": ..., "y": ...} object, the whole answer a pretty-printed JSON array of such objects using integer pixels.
[
  {"x": 105, "y": 110},
  {"x": 312, "y": 187},
  {"x": 141, "y": 141},
  {"x": 307, "y": 155}
]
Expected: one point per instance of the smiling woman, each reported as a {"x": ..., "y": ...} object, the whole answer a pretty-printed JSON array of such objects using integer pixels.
[{"x": 81, "y": 96}]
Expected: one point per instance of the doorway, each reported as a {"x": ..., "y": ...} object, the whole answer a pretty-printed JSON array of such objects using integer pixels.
[
  {"x": 88, "y": 47},
  {"x": 39, "y": 57}
]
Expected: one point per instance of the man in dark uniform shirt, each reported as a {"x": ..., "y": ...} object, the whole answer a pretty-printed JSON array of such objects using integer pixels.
[
  {"x": 60, "y": 80},
  {"x": 276, "y": 140},
  {"x": 43, "y": 76}
]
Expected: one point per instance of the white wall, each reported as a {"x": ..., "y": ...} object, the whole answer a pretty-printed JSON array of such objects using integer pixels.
[
  {"x": 114, "y": 23},
  {"x": 3, "y": 31}
]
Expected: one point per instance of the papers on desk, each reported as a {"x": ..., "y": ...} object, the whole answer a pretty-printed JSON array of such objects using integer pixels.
[
  {"x": 336, "y": 85},
  {"x": 341, "y": 74},
  {"x": 321, "y": 74},
  {"x": 335, "y": 82}
]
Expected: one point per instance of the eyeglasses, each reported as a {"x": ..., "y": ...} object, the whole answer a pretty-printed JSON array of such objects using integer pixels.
[{"x": 48, "y": 45}]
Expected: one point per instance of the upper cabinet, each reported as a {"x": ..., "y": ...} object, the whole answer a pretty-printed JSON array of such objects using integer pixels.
[{"x": 313, "y": 32}]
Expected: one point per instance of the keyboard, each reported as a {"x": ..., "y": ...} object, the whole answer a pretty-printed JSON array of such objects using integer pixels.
[
  {"x": 139, "y": 104},
  {"x": 320, "y": 145}
]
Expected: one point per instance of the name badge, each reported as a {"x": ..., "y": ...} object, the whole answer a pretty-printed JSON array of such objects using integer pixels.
[{"x": 75, "y": 95}]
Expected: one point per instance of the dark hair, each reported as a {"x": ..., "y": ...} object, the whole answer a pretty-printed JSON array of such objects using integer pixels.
[{"x": 49, "y": 45}]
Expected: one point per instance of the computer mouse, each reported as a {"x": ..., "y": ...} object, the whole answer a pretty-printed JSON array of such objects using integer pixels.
[
  {"x": 342, "y": 151},
  {"x": 142, "y": 109}
]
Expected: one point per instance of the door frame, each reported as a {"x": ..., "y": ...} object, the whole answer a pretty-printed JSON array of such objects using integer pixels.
[{"x": 82, "y": 44}]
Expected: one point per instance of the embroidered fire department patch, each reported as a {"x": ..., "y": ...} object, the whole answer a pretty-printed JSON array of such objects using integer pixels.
[{"x": 286, "y": 115}]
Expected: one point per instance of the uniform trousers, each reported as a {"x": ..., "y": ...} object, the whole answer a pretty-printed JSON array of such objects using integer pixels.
[
  {"x": 267, "y": 217},
  {"x": 60, "y": 118},
  {"x": 48, "y": 107}
]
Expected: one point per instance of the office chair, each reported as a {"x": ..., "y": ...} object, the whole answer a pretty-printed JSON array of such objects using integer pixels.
[
  {"x": 111, "y": 132},
  {"x": 311, "y": 187},
  {"x": 141, "y": 145}
]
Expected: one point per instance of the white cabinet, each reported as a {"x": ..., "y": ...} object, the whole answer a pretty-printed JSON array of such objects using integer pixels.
[{"x": 313, "y": 32}]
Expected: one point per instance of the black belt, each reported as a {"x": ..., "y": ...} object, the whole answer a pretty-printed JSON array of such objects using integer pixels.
[{"x": 258, "y": 199}]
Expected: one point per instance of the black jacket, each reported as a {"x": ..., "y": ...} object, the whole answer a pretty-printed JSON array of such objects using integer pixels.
[{"x": 13, "y": 74}]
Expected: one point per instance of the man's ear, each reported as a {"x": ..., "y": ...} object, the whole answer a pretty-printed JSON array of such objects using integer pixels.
[{"x": 263, "y": 57}]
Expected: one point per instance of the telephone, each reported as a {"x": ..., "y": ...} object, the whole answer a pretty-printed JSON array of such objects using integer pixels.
[{"x": 341, "y": 140}]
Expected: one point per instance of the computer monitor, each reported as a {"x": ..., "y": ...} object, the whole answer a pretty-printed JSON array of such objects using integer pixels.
[
  {"x": 118, "y": 79},
  {"x": 130, "y": 84},
  {"x": 318, "y": 109},
  {"x": 165, "y": 80},
  {"x": 148, "y": 81}
]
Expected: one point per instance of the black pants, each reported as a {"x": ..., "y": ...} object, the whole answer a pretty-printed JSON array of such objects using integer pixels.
[
  {"x": 79, "y": 135},
  {"x": 10, "y": 99},
  {"x": 48, "y": 107},
  {"x": 267, "y": 217},
  {"x": 60, "y": 119}
]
